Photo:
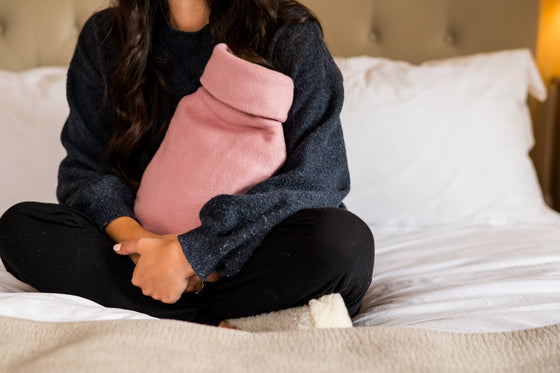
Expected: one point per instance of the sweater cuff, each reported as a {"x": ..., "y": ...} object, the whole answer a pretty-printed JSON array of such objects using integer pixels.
[
  {"x": 196, "y": 247},
  {"x": 104, "y": 201}
]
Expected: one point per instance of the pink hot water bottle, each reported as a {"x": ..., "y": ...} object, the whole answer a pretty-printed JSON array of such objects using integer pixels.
[{"x": 223, "y": 139}]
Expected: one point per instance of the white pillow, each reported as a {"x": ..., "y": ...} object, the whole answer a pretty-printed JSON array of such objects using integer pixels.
[
  {"x": 33, "y": 109},
  {"x": 444, "y": 142}
]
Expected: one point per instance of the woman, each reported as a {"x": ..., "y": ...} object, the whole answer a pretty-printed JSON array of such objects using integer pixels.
[{"x": 286, "y": 240}]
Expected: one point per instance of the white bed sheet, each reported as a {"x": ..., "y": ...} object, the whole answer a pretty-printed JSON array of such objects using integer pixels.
[
  {"x": 467, "y": 279},
  {"x": 459, "y": 279},
  {"x": 20, "y": 300}
]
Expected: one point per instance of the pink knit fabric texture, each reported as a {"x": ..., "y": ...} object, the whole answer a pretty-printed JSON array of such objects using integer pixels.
[{"x": 223, "y": 139}]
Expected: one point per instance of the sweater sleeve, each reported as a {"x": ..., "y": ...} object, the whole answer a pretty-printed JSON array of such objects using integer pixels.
[
  {"x": 315, "y": 173},
  {"x": 84, "y": 180}
]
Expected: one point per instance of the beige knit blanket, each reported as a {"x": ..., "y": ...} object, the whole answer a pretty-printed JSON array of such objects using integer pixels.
[{"x": 174, "y": 346}]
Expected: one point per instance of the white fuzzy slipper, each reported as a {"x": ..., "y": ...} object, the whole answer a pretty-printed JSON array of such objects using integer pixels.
[{"x": 329, "y": 311}]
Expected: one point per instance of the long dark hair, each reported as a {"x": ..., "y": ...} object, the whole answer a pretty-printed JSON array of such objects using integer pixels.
[{"x": 137, "y": 89}]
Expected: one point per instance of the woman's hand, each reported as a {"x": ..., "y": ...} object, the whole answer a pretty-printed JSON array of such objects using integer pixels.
[
  {"x": 137, "y": 241},
  {"x": 128, "y": 229},
  {"x": 162, "y": 270}
]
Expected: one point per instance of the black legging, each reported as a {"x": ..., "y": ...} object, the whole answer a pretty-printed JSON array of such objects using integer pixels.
[{"x": 315, "y": 252}]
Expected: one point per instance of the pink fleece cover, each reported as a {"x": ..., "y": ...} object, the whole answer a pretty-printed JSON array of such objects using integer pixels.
[{"x": 223, "y": 139}]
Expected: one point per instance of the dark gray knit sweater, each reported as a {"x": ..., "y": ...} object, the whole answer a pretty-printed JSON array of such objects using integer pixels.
[{"x": 315, "y": 173}]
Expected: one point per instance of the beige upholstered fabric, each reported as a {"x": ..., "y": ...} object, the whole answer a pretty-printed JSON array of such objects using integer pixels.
[
  {"x": 419, "y": 30},
  {"x": 43, "y": 32}
]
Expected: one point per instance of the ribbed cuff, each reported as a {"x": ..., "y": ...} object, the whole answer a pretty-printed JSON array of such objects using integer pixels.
[
  {"x": 202, "y": 254},
  {"x": 105, "y": 200}
]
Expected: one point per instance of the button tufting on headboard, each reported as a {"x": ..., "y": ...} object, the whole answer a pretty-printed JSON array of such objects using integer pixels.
[
  {"x": 374, "y": 35},
  {"x": 449, "y": 38}
]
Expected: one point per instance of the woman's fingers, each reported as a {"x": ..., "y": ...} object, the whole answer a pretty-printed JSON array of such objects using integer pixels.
[
  {"x": 162, "y": 270},
  {"x": 213, "y": 277},
  {"x": 157, "y": 272},
  {"x": 127, "y": 248},
  {"x": 194, "y": 285},
  {"x": 165, "y": 293}
]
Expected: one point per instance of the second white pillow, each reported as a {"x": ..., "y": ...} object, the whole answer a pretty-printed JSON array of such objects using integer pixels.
[{"x": 445, "y": 142}]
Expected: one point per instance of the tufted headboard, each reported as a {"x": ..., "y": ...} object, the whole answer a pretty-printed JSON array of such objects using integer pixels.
[
  {"x": 43, "y": 32},
  {"x": 419, "y": 30}
]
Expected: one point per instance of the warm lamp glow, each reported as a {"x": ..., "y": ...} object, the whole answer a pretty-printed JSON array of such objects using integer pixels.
[{"x": 548, "y": 45}]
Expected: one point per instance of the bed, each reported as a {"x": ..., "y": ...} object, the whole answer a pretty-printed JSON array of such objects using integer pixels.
[{"x": 438, "y": 130}]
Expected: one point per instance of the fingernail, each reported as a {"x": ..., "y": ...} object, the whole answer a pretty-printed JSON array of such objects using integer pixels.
[{"x": 117, "y": 247}]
